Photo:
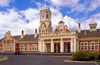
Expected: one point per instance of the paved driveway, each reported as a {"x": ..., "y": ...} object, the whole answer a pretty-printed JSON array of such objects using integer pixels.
[{"x": 39, "y": 60}]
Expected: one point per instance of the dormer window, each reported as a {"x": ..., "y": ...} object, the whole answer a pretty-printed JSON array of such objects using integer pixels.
[
  {"x": 93, "y": 25},
  {"x": 93, "y": 28}
]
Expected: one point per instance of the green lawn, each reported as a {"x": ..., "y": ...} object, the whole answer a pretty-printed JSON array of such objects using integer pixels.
[{"x": 0, "y": 58}]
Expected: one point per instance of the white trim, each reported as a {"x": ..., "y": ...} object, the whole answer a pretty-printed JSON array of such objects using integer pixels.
[{"x": 59, "y": 37}]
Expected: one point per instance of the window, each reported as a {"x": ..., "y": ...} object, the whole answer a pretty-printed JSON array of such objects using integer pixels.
[
  {"x": 43, "y": 31},
  {"x": 6, "y": 47},
  {"x": 28, "y": 47},
  {"x": 93, "y": 28},
  {"x": 99, "y": 43},
  {"x": 92, "y": 46},
  {"x": 47, "y": 16},
  {"x": 34, "y": 47},
  {"x": 22, "y": 47},
  {"x": 84, "y": 46},
  {"x": 11, "y": 47}
]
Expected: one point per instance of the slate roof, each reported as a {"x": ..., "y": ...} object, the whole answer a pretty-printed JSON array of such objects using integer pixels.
[
  {"x": 29, "y": 38},
  {"x": 89, "y": 33},
  {"x": 17, "y": 37}
]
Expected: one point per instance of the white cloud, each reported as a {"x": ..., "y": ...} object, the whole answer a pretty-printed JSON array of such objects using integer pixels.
[
  {"x": 65, "y": 2},
  {"x": 32, "y": 1},
  {"x": 75, "y": 5},
  {"x": 13, "y": 20},
  {"x": 4, "y": 3}
]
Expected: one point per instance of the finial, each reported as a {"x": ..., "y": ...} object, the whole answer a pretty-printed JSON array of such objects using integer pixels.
[
  {"x": 45, "y": 2},
  {"x": 92, "y": 17}
]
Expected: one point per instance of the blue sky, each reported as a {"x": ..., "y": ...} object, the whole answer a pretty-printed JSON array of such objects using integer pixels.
[{"x": 17, "y": 15}]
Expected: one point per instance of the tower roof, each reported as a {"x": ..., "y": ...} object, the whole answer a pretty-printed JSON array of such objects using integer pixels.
[
  {"x": 93, "y": 21},
  {"x": 45, "y": 7},
  {"x": 61, "y": 22}
]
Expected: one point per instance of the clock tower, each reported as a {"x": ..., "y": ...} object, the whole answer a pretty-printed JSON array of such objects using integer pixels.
[{"x": 45, "y": 20}]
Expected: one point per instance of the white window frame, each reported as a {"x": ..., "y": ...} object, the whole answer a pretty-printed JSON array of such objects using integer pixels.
[
  {"x": 34, "y": 47},
  {"x": 6, "y": 47},
  {"x": 83, "y": 46},
  {"x": 92, "y": 45},
  {"x": 11, "y": 47},
  {"x": 28, "y": 48},
  {"x": 23, "y": 48}
]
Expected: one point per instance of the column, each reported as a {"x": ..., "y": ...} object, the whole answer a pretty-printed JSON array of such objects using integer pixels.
[
  {"x": 43, "y": 46},
  {"x": 52, "y": 46},
  {"x": 61, "y": 46},
  {"x": 74, "y": 44},
  {"x": 39, "y": 46},
  {"x": 14, "y": 46},
  {"x": 78, "y": 45}
]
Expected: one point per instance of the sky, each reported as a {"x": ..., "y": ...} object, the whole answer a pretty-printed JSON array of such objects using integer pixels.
[{"x": 18, "y": 15}]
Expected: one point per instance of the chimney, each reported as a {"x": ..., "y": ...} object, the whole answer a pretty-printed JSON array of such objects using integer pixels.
[
  {"x": 22, "y": 35},
  {"x": 35, "y": 35},
  {"x": 79, "y": 27}
]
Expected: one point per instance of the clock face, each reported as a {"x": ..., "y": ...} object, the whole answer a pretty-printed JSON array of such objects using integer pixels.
[{"x": 43, "y": 16}]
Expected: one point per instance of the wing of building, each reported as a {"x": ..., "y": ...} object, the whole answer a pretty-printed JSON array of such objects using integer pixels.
[{"x": 61, "y": 40}]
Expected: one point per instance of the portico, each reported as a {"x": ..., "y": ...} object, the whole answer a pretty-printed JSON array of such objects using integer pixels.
[{"x": 58, "y": 45}]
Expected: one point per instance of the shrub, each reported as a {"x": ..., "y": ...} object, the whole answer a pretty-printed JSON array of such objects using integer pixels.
[
  {"x": 80, "y": 55},
  {"x": 99, "y": 56},
  {"x": 94, "y": 55}
]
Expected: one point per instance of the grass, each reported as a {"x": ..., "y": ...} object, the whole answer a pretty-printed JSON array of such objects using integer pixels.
[{"x": 0, "y": 58}]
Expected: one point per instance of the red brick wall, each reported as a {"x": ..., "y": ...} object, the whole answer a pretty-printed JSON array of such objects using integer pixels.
[
  {"x": 89, "y": 43},
  {"x": 18, "y": 47}
]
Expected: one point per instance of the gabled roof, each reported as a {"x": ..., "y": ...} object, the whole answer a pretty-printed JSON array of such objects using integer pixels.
[
  {"x": 29, "y": 38},
  {"x": 89, "y": 34}
]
